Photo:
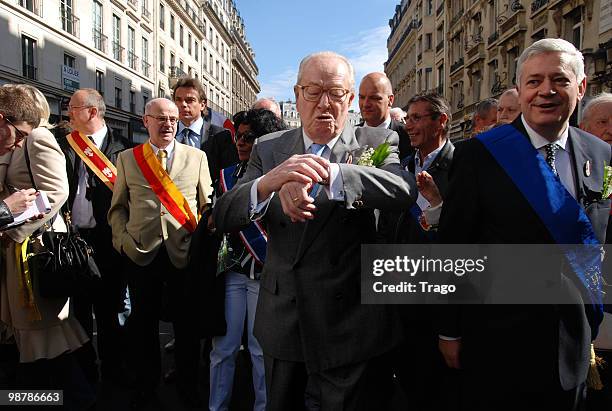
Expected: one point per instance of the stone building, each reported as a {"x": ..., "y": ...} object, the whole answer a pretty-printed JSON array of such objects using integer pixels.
[{"x": 478, "y": 42}]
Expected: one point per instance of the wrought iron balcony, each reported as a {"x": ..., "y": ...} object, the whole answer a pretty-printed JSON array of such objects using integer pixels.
[
  {"x": 176, "y": 72},
  {"x": 440, "y": 46},
  {"x": 456, "y": 65},
  {"x": 492, "y": 38},
  {"x": 537, "y": 5},
  {"x": 132, "y": 60},
  {"x": 146, "y": 67},
  {"x": 456, "y": 18},
  {"x": 440, "y": 9},
  {"x": 70, "y": 23},
  {"x": 118, "y": 51},
  {"x": 100, "y": 40}
]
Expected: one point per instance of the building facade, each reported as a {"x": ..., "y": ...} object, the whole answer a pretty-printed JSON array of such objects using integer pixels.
[
  {"x": 478, "y": 43},
  {"x": 129, "y": 50},
  {"x": 291, "y": 117}
]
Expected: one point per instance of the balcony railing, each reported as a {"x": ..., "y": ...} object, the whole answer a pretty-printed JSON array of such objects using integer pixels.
[
  {"x": 146, "y": 67},
  {"x": 134, "y": 4},
  {"x": 456, "y": 18},
  {"x": 100, "y": 40},
  {"x": 176, "y": 72},
  {"x": 70, "y": 24},
  {"x": 35, "y": 6},
  {"x": 440, "y": 9},
  {"x": 537, "y": 5},
  {"x": 492, "y": 38},
  {"x": 440, "y": 46},
  {"x": 118, "y": 51},
  {"x": 132, "y": 60},
  {"x": 456, "y": 65},
  {"x": 29, "y": 71}
]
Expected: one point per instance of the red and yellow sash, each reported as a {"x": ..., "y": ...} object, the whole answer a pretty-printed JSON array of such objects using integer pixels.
[
  {"x": 93, "y": 158},
  {"x": 163, "y": 186}
]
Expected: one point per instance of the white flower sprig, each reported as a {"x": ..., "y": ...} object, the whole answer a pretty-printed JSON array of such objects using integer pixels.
[{"x": 606, "y": 190}]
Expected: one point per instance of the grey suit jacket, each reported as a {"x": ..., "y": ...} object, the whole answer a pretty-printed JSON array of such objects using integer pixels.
[{"x": 309, "y": 305}]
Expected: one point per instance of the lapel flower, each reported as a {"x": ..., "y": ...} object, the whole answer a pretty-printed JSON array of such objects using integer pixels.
[
  {"x": 374, "y": 157},
  {"x": 606, "y": 190}
]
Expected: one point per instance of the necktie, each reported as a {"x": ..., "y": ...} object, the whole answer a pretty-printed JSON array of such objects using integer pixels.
[
  {"x": 186, "y": 134},
  {"x": 317, "y": 150},
  {"x": 162, "y": 156},
  {"x": 551, "y": 152}
]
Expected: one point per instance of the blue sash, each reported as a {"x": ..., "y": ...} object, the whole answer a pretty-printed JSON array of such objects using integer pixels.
[
  {"x": 254, "y": 236},
  {"x": 561, "y": 214}
]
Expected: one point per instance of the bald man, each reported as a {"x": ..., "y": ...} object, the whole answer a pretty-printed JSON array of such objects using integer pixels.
[
  {"x": 509, "y": 108},
  {"x": 268, "y": 104},
  {"x": 375, "y": 102},
  {"x": 597, "y": 117}
]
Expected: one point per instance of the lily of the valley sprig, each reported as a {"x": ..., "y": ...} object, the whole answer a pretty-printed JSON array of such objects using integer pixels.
[
  {"x": 374, "y": 157},
  {"x": 606, "y": 190}
]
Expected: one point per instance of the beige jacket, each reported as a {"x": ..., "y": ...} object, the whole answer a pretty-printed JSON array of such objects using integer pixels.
[{"x": 140, "y": 223}]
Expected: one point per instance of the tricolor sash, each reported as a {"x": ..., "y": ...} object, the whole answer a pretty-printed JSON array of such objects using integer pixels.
[
  {"x": 93, "y": 158},
  {"x": 254, "y": 237},
  {"x": 559, "y": 211},
  {"x": 163, "y": 186}
]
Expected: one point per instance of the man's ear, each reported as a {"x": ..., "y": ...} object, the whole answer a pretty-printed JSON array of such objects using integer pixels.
[
  {"x": 391, "y": 100},
  {"x": 581, "y": 89}
]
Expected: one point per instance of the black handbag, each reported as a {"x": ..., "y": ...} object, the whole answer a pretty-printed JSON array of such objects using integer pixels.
[{"x": 62, "y": 264}]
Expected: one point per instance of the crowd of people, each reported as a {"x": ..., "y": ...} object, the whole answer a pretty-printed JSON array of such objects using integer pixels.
[{"x": 252, "y": 236}]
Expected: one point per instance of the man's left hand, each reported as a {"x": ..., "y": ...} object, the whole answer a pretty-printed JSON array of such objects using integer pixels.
[{"x": 296, "y": 202}]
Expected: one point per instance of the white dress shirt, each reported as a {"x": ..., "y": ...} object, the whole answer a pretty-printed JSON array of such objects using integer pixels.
[
  {"x": 384, "y": 124},
  {"x": 195, "y": 139},
  {"x": 82, "y": 209},
  {"x": 169, "y": 151}
]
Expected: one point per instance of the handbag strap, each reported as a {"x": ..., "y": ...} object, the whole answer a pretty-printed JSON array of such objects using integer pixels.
[{"x": 27, "y": 160}]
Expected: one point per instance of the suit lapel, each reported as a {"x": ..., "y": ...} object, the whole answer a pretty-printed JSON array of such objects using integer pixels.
[
  {"x": 346, "y": 143},
  {"x": 294, "y": 144},
  {"x": 178, "y": 160},
  {"x": 579, "y": 158}
]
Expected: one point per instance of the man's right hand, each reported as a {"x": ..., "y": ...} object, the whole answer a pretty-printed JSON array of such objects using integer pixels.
[
  {"x": 450, "y": 350},
  {"x": 304, "y": 169},
  {"x": 20, "y": 200}
]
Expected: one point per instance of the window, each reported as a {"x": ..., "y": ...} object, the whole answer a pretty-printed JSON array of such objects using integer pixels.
[
  {"x": 181, "y": 42},
  {"x": 32, "y": 5},
  {"x": 429, "y": 7},
  {"x": 67, "y": 17},
  {"x": 210, "y": 59},
  {"x": 204, "y": 54},
  {"x": 162, "y": 58},
  {"x": 69, "y": 60},
  {"x": 98, "y": 37},
  {"x": 160, "y": 92},
  {"x": 132, "y": 59},
  {"x": 28, "y": 51},
  {"x": 100, "y": 81},
  {"x": 117, "y": 49},
  {"x": 172, "y": 25},
  {"x": 210, "y": 34},
  {"x": 145, "y": 99},
  {"x": 222, "y": 75},
  {"x": 197, "y": 51},
  {"x": 118, "y": 93},
  {"x": 428, "y": 73},
  {"x": 441, "y": 80},
  {"x": 189, "y": 43},
  {"x": 132, "y": 101},
  {"x": 162, "y": 16},
  {"x": 181, "y": 65},
  {"x": 217, "y": 42},
  {"x": 145, "y": 57},
  {"x": 217, "y": 69},
  {"x": 428, "y": 41},
  {"x": 172, "y": 60}
]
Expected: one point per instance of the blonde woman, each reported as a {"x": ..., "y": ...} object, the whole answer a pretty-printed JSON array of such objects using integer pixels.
[{"x": 45, "y": 333}]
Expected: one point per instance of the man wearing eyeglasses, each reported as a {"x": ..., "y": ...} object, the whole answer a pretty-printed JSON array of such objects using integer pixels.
[
  {"x": 89, "y": 200},
  {"x": 197, "y": 131},
  {"x": 161, "y": 188},
  {"x": 317, "y": 206}
]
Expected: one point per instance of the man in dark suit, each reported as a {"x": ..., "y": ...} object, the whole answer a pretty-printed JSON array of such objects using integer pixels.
[
  {"x": 196, "y": 131},
  {"x": 375, "y": 102},
  {"x": 318, "y": 210},
  {"x": 89, "y": 200},
  {"x": 528, "y": 356}
]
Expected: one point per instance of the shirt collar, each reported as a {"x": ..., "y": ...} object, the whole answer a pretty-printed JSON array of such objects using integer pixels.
[
  {"x": 98, "y": 136},
  {"x": 195, "y": 127},
  {"x": 428, "y": 158},
  {"x": 308, "y": 141},
  {"x": 169, "y": 149},
  {"x": 384, "y": 124},
  {"x": 538, "y": 141}
]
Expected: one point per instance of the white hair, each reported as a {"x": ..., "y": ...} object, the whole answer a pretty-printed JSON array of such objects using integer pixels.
[
  {"x": 268, "y": 104},
  {"x": 603, "y": 98},
  {"x": 570, "y": 56},
  {"x": 306, "y": 59},
  {"x": 398, "y": 111},
  {"x": 157, "y": 100}
]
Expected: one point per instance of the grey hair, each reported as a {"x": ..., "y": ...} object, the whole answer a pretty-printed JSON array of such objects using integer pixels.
[
  {"x": 271, "y": 105},
  {"x": 603, "y": 98},
  {"x": 438, "y": 105},
  {"x": 398, "y": 110},
  {"x": 157, "y": 100},
  {"x": 306, "y": 59},
  {"x": 483, "y": 107},
  {"x": 570, "y": 56},
  {"x": 93, "y": 98}
]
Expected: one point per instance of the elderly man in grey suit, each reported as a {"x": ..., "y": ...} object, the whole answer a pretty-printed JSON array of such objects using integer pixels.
[{"x": 317, "y": 206}]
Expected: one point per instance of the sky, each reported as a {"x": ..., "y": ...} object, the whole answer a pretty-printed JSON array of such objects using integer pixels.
[{"x": 283, "y": 32}]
